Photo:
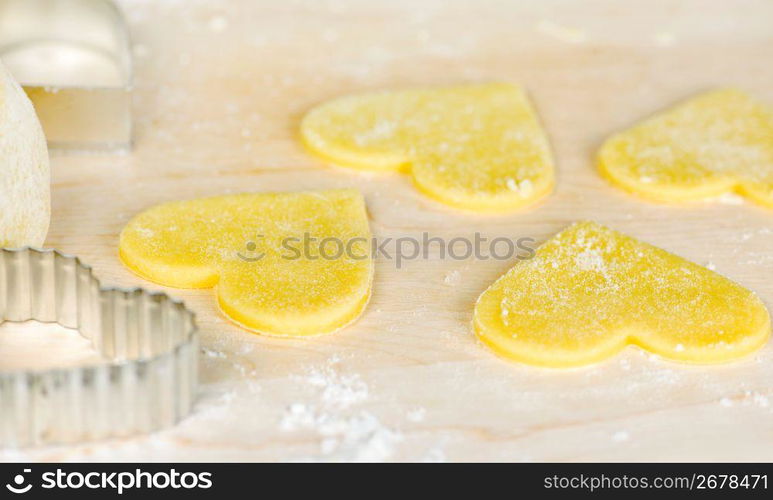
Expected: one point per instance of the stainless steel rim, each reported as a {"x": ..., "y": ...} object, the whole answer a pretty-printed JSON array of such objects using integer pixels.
[{"x": 149, "y": 338}]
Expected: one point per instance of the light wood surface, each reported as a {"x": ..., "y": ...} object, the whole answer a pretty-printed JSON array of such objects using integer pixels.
[{"x": 220, "y": 87}]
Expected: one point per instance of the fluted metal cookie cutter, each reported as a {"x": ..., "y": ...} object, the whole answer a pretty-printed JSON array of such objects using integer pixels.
[{"x": 149, "y": 340}]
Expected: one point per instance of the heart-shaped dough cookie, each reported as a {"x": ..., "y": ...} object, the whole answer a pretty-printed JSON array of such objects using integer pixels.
[
  {"x": 267, "y": 253},
  {"x": 718, "y": 142},
  {"x": 477, "y": 147},
  {"x": 590, "y": 291}
]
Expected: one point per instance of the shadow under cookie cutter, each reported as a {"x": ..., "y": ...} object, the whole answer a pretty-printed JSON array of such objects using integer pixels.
[
  {"x": 150, "y": 340},
  {"x": 73, "y": 59}
]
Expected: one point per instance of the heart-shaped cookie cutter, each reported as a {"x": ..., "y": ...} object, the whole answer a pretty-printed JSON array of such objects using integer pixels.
[
  {"x": 150, "y": 342},
  {"x": 73, "y": 58}
]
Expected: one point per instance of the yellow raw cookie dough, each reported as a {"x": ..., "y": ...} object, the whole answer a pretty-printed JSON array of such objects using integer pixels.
[
  {"x": 266, "y": 281},
  {"x": 715, "y": 143},
  {"x": 590, "y": 291},
  {"x": 476, "y": 147}
]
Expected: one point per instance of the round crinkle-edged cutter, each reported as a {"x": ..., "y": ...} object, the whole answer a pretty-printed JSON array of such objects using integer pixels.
[{"x": 149, "y": 340}]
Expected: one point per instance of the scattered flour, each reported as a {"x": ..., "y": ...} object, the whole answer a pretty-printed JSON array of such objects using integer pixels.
[
  {"x": 620, "y": 436},
  {"x": 211, "y": 353},
  {"x": 246, "y": 369},
  {"x": 218, "y": 24},
  {"x": 417, "y": 414},
  {"x": 589, "y": 260},
  {"x": 145, "y": 232},
  {"x": 338, "y": 391},
  {"x": 525, "y": 187},
  {"x": 435, "y": 455},
  {"x": 452, "y": 278},
  {"x": 380, "y": 131},
  {"x": 345, "y": 433},
  {"x": 298, "y": 416},
  {"x": 730, "y": 199},
  {"x": 758, "y": 399},
  {"x": 360, "y": 437},
  {"x": 748, "y": 398}
]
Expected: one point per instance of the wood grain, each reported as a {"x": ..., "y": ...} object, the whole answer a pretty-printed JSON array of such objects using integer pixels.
[{"x": 220, "y": 87}]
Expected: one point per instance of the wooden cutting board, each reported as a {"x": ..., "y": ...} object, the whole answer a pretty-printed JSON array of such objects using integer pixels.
[{"x": 220, "y": 87}]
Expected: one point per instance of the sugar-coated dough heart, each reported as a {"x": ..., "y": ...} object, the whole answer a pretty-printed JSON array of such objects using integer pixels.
[
  {"x": 589, "y": 291},
  {"x": 477, "y": 147},
  {"x": 251, "y": 246},
  {"x": 717, "y": 142}
]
